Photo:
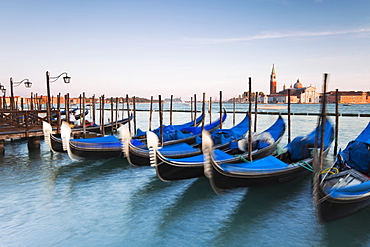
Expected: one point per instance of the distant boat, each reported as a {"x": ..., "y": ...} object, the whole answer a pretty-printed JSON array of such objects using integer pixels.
[
  {"x": 174, "y": 100},
  {"x": 348, "y": 104},
  {"x": 272, "y": 107}
]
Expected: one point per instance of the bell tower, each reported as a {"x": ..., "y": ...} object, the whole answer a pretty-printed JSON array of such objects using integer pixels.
[{"x": 273, "y": 80}]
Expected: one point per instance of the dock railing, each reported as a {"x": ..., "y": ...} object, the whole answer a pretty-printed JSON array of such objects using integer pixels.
[{"x": 18, "y": 124}]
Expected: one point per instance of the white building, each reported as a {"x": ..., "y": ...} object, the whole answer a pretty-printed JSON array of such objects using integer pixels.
[{"x": 298, "y": 93}]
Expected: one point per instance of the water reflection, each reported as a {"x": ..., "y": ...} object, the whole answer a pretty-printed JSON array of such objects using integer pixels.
[
  {"x": 353, "y": 230},
  {"x": 262, "y": 209}
]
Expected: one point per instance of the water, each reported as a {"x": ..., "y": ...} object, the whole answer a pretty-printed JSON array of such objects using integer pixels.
[{"x": 48, "y": 200}]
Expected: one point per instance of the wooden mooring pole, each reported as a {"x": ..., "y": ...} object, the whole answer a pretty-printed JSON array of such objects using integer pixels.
[
  {"x": 31, "y": 101},
  {"x": 128, "y": 112},
  {"x": 171, "y": 109},
  {"x": 80, "y": 109},
  {"x": 117, "y": 106},
  {"x": 203, "y": 109},
  {"x": 191, "y": 108},
  {"x": 151, "y": 113},
  {"x": 250, "y": 121},
  {"x": 160, "y": 119},
  {"x": 336, "y": 123},
  {"x": 210, "y": 110},
  {"x": 255, "y": 111},
  {"x": 289, "y": 122},
  {"x": 66, "y": 107},
  {"x": 59, "y": 116},
  {"x": 102, "y": 114},
  {"x": 234, "y": 108},
  {"x": 83, "y": 114},
  {"x": 111, "y": 114},
  {"x": 323, "y": 121},
  {"x": 220, "y": 109},
  {"x": 93, "y": 108},
  {"x": 195, "y": 109},
  {"x": 134, "y": 117}
]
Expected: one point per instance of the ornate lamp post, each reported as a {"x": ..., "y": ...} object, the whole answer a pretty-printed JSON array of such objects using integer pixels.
[
  {"x": 27, "y": 84},
  {"x": 50, "y": 79}
]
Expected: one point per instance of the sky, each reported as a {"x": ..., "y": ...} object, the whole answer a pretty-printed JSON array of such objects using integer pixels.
[{"x": 181, "y": 48}]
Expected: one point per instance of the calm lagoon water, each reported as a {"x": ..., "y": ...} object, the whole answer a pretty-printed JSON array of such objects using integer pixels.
[{"x": 46, "y": 199}]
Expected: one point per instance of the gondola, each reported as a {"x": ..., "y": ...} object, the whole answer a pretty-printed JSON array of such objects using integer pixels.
[
  {"x": 81, "y": 115},
  {"x": 73, "y": 111},
  {"x": 137, "y": 152},
  {"x": 294, "y": 161},
  {"x": 344, "y": 188},
  {"x": 140, "y": 134},
  {"x": 172, "y": 135},
  {"x": 63, "y": 112},
  {"x": 90, "y": 148},
  {"x": 175, "y": 169},
  {"x": 92, "y": 127},
  {"x": 55, "y": 142}
]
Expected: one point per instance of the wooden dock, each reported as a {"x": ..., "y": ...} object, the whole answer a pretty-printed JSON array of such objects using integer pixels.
[{"x": 22, "y": 124}]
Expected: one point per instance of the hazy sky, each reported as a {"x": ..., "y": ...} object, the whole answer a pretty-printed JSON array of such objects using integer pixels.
[{"x": 144, "y": 48}]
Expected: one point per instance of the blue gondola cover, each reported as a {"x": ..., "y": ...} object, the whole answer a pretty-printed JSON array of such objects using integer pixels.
[
  {"x": 301, "y": 146},
  {"x": 357, "y": 152}
]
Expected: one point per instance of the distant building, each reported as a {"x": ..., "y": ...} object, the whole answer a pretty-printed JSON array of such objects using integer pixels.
[
  {"x": 282, "y": 99},
  {"x": 345, "y": 97},
  {"x": 239, "y": 100},
  {"x": 263, "y": 99},
  {"x": 298, "y": 94}
]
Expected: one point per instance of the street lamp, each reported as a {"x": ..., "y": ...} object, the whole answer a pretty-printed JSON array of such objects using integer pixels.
[
  {"x": 27, "y": 84},
  {"x": 50, "y": 79}
]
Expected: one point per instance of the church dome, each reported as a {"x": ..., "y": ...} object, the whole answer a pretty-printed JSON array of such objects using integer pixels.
[{"x": 298, "y": 84}]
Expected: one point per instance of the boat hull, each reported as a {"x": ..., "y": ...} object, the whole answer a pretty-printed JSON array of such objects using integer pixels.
[
  {"x": 108, "y": 128},
  {"x": 96, "y": 153},
  {"x": 221, "y": 180},
  {"x": 56, "y": 143},
  {"x": 330, "y": 209},
  {"x": 140, "y": 157},
  {"x": 169, "y": 171}
]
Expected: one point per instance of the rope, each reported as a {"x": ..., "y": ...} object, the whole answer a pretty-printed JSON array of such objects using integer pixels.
[
  {"x": 280, "y": 150},
  {"x": 241, "y": 157},
  {"x": 304, "y": 164},
  {"x": 328, "y": 170}
]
